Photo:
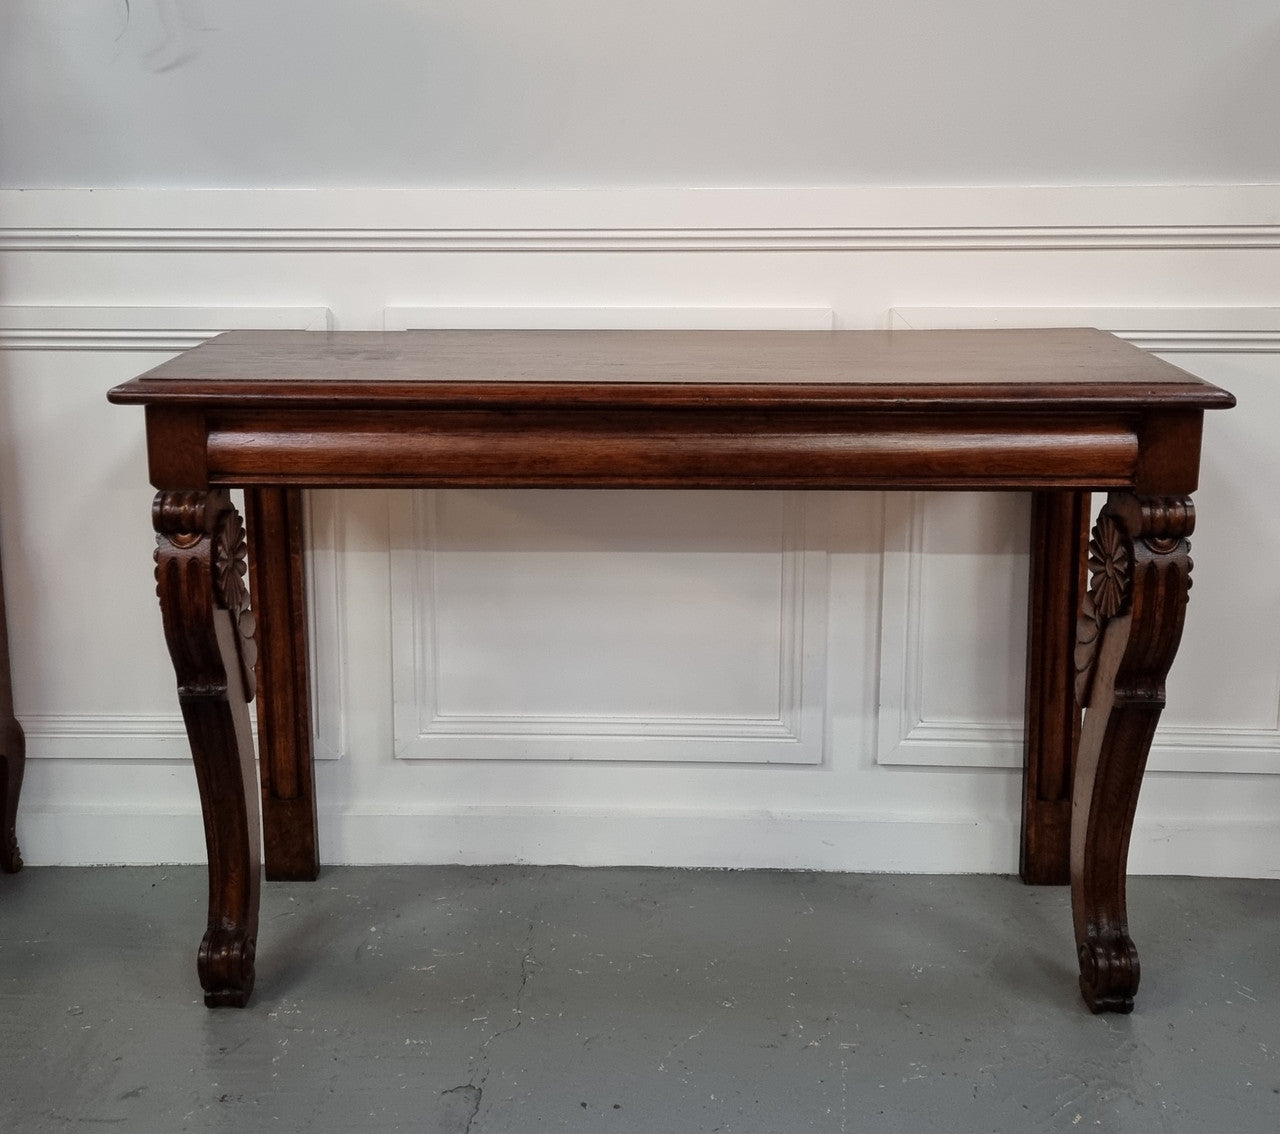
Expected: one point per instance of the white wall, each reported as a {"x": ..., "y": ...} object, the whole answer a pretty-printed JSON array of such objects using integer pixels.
[
  {"x": 861, "y": 653},
  {"x": 585, "y": 93}
]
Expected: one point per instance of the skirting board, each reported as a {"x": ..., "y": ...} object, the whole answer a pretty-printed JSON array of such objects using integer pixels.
[{"x": 596, "y": 836}]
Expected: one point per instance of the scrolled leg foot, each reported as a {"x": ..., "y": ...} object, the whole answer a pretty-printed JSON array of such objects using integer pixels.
[
  {"x": 1109, "y": 973},
  {"x": 225, "y": 964}
]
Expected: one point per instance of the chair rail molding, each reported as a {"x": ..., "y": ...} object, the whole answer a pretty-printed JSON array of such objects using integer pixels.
[
  {"x": 972, "y": 218},
  {"x": 160, "y": 329},
  {"x": 1161, "y": 330},
  {"x": 164, "y": 330}
]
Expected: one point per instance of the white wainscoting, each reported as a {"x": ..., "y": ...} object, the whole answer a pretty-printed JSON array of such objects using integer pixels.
[
  {"x": 68, "y": 459},
  {"x": 878, "y": 645},
  {"x": 163, "y": 329},
  {"x": 673, "y": 626},
  {"x": 609, "y": 318},
  {"x": 964, "y": 656}
]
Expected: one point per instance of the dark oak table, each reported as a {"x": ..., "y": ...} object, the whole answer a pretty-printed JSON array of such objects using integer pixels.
[{"x": 1057, "y": 413}]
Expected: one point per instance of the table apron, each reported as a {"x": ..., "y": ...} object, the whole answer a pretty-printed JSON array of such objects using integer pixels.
[{"x": 518, "y": 453}]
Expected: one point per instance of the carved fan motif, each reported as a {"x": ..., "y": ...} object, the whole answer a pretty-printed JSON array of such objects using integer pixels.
[
  {"x": 230, "y": 565},
  {"x": 1109, "y": 562},
  {"x": 1110, "y": 566}
]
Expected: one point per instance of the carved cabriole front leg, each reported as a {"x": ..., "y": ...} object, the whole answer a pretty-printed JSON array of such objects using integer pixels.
[
  {"x": 208, "y": 623},
  {"x": 1140, "y": 573}
]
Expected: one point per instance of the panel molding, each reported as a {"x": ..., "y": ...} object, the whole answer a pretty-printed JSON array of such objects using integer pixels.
[
  {"x": 1162, "y": 330},
  {"x": 105, "y": 736},
  {"x": 162, "y": 736},
  {"x": 608, "y": 318},
  {"x": 925, "y": 238},
  {"x": 167, "y": 329},
  {"x": 324, "y": 540},
  {"x": 423, "y": 731},
  {"x": 904, "y": 735},
  {"x": 1177, "y": 748},
  {"x": 900, "y": 219}
]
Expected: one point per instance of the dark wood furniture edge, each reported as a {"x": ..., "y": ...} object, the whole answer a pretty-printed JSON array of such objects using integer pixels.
[
  {"x": 1059, "y": 533},
  {"x": 274, "y": 522},
  {"x": 607, "y": 396},
  {"x": 12, "y": 753}
]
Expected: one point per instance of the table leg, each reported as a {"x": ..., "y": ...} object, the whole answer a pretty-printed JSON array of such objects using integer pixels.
[
  {"x": 1059, "y": 535},
  {"x": 12, "y": 756},
  {"x": 1128, "y": 633},
  {"x": 209, "y": 627},
  {"x": 12, "y": 765},
  {"x": 278, "y": 583}
]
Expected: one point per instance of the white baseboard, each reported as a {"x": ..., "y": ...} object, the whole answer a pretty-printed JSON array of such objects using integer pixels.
[{"x": 599, "y": 836}]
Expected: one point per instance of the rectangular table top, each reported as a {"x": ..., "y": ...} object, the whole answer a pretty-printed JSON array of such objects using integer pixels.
[{"x": 1074, "y": 369}]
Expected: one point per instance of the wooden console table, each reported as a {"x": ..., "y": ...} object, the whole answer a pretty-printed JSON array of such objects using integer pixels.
[{"x": 1058, "y": 413}]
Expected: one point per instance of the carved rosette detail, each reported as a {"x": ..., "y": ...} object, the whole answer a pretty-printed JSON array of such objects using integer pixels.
[
  {"x": 1110, "y": 581},
  {"x": 1109, "y": 568},
  {"x": 230, "y": 566},
  {"x": 1130, "y": 532}
]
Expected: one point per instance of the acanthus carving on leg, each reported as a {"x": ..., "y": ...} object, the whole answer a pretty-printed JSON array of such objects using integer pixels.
[
  {"x": 208, "y": 622},
  {"x": 1128, "y": 634},
  {"x": 1110, "y": 561},
  {"x": 186, "y": 520}
]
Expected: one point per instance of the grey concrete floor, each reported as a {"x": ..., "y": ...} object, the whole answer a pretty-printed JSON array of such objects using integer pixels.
[{"x": 467, "y": 999}]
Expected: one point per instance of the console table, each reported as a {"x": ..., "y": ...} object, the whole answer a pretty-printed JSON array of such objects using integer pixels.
[{"x": 1057, "y": 413}]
